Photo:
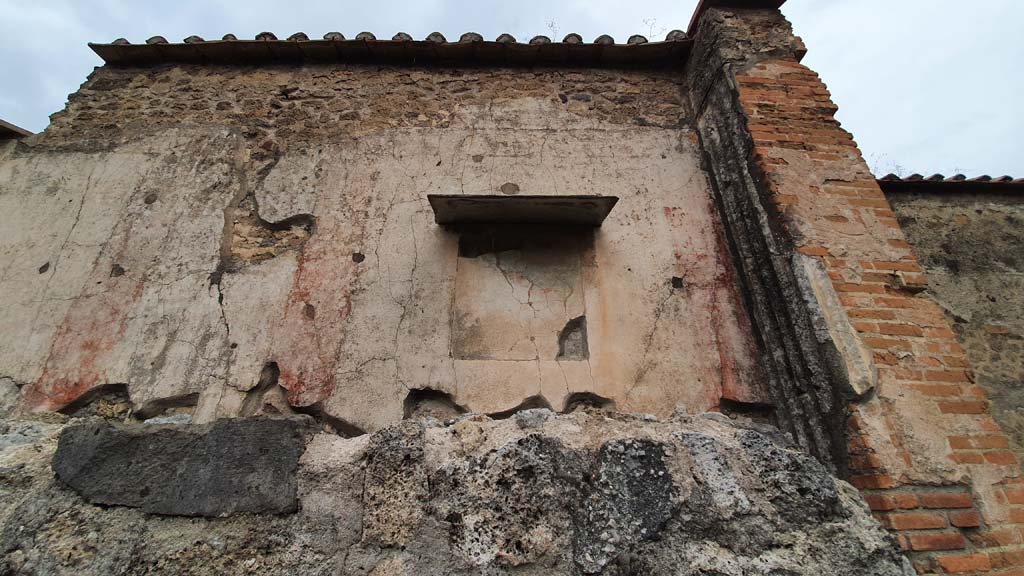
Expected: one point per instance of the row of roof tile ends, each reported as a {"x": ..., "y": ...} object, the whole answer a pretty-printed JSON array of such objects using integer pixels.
[
  {"x": 604, "y": 39},
  {"x": 957, "y": 178}
]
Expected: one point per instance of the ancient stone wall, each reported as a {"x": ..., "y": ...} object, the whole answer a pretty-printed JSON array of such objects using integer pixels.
[
  {"x": 229, "y": 241},
  {"x": 187, "y": 243},
  {"x": 796, "y": 183},
  {"x": 294, "y": 104},
  {"x": 535, "y": 494},
  {"x": 969, "y": 243}
]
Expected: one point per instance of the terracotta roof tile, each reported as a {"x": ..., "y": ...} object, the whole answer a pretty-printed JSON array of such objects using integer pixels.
[
  {"x": 956, "y": 183},
  {"x": 403, "y": 49},
  {"x": 9, "y": 131},
  {"x": 571, "y": 38}
]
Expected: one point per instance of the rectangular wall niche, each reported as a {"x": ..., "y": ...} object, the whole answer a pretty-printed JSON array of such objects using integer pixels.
[
  {"x": 519, "y": 292},
  {"x": 519, "y": 284},
  {"x": 640, "y": 313}
]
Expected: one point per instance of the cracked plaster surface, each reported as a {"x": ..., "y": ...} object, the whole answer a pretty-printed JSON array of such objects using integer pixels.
[{"x": 350, "y": 335}]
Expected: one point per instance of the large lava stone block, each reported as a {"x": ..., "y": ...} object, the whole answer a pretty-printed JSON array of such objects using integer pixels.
[{"x": 216, "y": 469}]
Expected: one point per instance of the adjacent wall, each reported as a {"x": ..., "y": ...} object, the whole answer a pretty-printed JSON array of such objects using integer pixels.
[{"x": 970, "y": 241}]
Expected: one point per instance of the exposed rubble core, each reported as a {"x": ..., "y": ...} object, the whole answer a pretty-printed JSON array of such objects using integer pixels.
[
  {"x": 572, "y": 340},
  {"x": 581, "y": 400},
  {"x": 107, "y": 401},
  {"x": 537, "y": 493},
  {"x": 254, "y": 240},
  {"x": 279, "y": 103},
  {"x": 432, "y": 403}
]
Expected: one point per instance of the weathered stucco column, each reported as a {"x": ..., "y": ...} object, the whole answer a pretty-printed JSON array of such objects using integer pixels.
[{"x": 865, "y": 370}]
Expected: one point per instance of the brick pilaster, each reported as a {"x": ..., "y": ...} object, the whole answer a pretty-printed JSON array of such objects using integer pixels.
[{"x": 922, "y": 446}]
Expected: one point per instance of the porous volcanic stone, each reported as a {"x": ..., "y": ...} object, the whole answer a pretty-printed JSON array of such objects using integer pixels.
[
  {"x": 222, "y": 468},
  {"x": 605, "y": 493},
  {"x": 587, "y": 493}
]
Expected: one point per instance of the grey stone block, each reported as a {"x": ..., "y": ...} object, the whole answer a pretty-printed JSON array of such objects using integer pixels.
[{"x": 226, "y": 467}]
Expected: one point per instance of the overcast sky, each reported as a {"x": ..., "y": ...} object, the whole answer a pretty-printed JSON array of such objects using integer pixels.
[{"x": 924, "y": 85}]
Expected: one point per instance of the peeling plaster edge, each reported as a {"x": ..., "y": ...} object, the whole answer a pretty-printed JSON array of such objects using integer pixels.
[{"x": 846, "y": 356}]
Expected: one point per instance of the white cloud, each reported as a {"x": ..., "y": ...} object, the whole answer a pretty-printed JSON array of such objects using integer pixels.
[{"x": 930, "y": 85}]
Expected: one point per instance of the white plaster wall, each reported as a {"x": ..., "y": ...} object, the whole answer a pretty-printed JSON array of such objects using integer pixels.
[{"x": 354, "y": 337}]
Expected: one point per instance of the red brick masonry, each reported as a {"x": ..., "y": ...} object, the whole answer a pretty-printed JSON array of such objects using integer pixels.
[{"x": 932, "y": 463}]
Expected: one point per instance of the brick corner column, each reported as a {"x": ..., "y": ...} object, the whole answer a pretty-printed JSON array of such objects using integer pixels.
[{"x": 865, "y": 370}]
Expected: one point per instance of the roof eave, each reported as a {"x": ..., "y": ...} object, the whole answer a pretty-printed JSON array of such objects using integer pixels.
[
  {"x": 976, "y": 186},
  {"x": 9, "y": 131},
  {"x": 667, "y": 54}
]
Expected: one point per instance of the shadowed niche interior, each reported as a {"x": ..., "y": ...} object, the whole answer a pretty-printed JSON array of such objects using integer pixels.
[
  {"x": 425, "y": 402},
  {"x": 585, "y": 400},
  {"x": 519, "y": 292}
]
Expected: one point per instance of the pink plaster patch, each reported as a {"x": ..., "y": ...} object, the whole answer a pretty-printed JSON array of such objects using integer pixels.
[
  {"x": 80, "y": 352},
  {"x": 307, "y": 347}
]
